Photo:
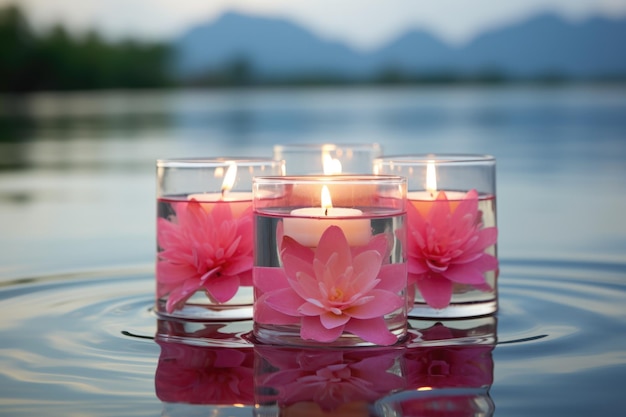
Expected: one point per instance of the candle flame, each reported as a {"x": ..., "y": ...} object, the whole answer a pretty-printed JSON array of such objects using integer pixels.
[
  {"x": 431, "y": 177},
  {"x": 327, "y": 202},
  {"x": 229, "y": 178},
  {"x": 331, "y": 165}
]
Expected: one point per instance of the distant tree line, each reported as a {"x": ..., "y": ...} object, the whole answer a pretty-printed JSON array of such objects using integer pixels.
[{"x": 56, "y": 60}]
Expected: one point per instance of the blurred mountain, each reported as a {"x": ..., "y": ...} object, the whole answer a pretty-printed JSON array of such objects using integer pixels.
[
  {"x": 275, "y": 48},
  {"x": 272, "y": 47}
]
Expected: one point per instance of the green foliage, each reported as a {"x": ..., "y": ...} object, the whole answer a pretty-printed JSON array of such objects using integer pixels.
[{"x": 55, "y": 60}]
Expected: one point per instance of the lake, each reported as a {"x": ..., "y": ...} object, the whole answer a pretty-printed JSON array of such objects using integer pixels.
[
  {"x": 77, "y": 178},
  {"x": 77, "y": 245}
]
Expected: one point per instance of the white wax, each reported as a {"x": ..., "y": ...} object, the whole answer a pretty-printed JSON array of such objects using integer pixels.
[
  {"x": 308, "y": 225},
  {"x": 424, "y": 201}
]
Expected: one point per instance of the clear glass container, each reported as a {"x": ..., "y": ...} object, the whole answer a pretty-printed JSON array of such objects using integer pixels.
[
  {"x": 330, "y": 265},
  {"x": 204, "y": 236},
  {"x": 451, "y": 232},
  {"x": 327, "y": 158}
]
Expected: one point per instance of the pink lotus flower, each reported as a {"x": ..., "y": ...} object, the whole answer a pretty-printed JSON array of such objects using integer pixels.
[
  {"x": 332, "y": 289},
  {"x": 201, "y": 249},
  {"x": 205, "y": 375},
  {"x": 448, "y": 246},
  {"x": 328, "y": 378}
]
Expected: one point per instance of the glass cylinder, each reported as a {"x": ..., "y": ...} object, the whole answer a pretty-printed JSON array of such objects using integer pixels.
[
  {"x": 451, "y": 232},
  {"x": 204, "y": 236},
  {"x": 329, "y": 266},
  {"x": 327, "y": 159}
]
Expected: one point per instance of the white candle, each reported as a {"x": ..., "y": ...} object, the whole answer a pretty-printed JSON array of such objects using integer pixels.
[
  {"x": 421, "y": 200},
  {"x": 238, "y": 201},
  {"x": 308, "y": 224}
]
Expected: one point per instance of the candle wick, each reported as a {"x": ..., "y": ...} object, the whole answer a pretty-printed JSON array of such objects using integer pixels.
[{"x": 326, "y": 212}]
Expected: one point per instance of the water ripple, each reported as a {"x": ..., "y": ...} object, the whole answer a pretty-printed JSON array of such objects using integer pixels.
[{"x": 88, "y": 339}]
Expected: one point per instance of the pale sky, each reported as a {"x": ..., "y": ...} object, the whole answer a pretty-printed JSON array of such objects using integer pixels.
[{"x": 360, "y": 23}]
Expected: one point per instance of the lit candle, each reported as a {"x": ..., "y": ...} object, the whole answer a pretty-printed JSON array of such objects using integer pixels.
[
  {"x": 238, "y": 201},
  {"x": 331, "y": 165},
  {"x": 423, "y": 200},
  {"x": 308, "y": 224}
]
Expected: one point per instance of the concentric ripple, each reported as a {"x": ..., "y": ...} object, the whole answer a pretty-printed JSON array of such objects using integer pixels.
[{"x": 85, "y": 342}]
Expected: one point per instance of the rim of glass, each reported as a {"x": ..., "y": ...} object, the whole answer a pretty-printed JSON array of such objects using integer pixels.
[
  {"x": 439, "y": 158},
  {"x": 322, "y": 179},
  {"x": 326, "y": 146},
  {"x": 215, "y": 162}
]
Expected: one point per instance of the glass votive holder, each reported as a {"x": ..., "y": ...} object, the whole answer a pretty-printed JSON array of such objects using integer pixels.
[
  {"x": 451, "y": 232},
  {"x": 330, "y": 265},
  {"x": 327, "y": 158},
  {"x": 204, "y": 236}
]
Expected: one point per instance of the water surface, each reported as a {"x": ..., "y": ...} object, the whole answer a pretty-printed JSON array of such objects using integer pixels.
[{"x": 77, "y": 225}]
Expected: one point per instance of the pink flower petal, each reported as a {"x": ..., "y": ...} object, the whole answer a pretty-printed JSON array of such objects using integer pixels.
[
  {"x": 222, "y": 288},
  {"x": 169, "y": 273},
  {"x": 181, "y": 294},
  {"x": 305, "y": 286},
  {"x": 486, "y": 262},
  {"x": 330, "y": 320},
  {"x": 372, "y": 330},
  {"x": 381, "y": 243},
  {"x": 268, "y": 279},
  {"x": 366, "y": 267},
  {"x": 238, "y": 265},
  {"x": 392, "y": 277},
  {"x": 333, "y": 244},
  {"x": 486, "y": 237},
  {"x": 245, "y": 278},
  {"x": 467, "y": 206},
  {"x": 312, "y": 329},
  {"x": 293, "y": 248},
  {"x": 294, "y": 264},
  {"x": 464, "y": 274},
  {"x": 436, "y": 290},
  {"x": 311, "y": 308},
  {"x": 285, "y": 301},
  {"x": 417, "y": 265},
  {"x": 263, "y": 313},
  {"x": 384, "y": 302},
  {"x": 221, "y": 213}
]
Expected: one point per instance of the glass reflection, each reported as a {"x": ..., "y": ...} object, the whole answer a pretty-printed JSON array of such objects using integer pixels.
[
  {"x": 449, "y": 371},
  {"x": 295, "y": 381},
  {"x": 445, "y": 369}
]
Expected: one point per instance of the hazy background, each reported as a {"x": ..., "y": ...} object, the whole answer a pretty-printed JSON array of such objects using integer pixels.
[{"x": 92, "y": 92}]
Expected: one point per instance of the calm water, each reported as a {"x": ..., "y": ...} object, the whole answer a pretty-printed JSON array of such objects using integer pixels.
[{"x": 77, "y": 230}]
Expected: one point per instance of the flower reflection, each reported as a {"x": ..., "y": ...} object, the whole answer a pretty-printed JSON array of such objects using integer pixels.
[
  {"x": 446, "y": 371},
  {"x": 449, "y": 366},
  {"x": 449, "y": 373},
  {"x": 205, "y": 375},
  {"x": 326, "y": 380}
]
